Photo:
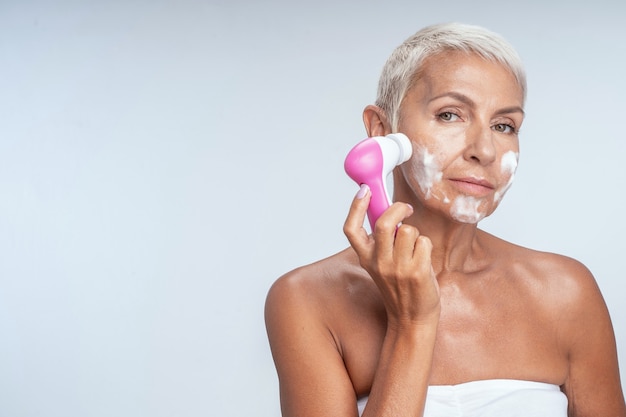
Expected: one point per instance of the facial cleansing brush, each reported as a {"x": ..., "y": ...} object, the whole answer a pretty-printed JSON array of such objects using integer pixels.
[{"x": 371, "y": 161}]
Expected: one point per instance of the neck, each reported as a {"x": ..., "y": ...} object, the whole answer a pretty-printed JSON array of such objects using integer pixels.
[{"x": 456, "y": 246}]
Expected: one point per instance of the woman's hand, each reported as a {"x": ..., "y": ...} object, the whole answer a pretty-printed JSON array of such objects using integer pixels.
[{"x": 398, "y": 259}]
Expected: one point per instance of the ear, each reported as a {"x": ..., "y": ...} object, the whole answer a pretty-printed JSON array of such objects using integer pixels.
[{"x": 375, "y": 120}]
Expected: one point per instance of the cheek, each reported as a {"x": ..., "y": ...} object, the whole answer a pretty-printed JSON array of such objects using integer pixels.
[
  {"x": 508, "y": 166},
  {"x": 424, "y": 168}
]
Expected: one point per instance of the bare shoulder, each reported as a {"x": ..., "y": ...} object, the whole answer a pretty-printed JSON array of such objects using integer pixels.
[
  {"x": 326, "y": 298},
  {"x": 571, "y": 300},
  {"x": 563, "y": 287},
  {"x": 318, "y": 286},
  {"x": 562, "y": 281}
]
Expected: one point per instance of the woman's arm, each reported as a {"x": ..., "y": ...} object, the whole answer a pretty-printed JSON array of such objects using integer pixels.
[
  {"x": 593, "y": 385},
  {"x": 312, "y": 375},
  {"x": 401, "y": 381},
  {"x": 399, "y": 261}
]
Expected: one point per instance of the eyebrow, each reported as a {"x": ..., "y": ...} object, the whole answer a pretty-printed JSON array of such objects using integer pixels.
[{"x": 468, "y": 101}]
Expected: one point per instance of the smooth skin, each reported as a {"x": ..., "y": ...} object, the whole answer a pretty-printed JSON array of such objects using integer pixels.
[{"x": 437, "y": 301}]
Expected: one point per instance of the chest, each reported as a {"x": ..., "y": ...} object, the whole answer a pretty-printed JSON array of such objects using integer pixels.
[
  {"x": 497, "y": 339},
  {"x": 480, "y": 336}
]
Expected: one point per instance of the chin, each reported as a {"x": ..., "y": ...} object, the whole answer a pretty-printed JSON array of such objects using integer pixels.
[
  {"x": 470, "y": 210},
  {"x": 469, "y": 218}
]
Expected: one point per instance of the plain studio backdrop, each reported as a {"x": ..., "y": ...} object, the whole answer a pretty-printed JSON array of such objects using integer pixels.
[{"x": 163, "y": 162}]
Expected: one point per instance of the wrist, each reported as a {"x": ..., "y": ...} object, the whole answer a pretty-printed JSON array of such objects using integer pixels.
[{"x": 423, "y": 327}]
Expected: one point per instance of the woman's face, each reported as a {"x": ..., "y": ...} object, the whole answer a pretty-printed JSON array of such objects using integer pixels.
[{"x": 463, "y": 115}]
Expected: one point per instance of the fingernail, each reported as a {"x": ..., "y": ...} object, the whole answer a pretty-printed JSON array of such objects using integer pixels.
[
  {"x": 362, "y": 191},
  {"x": 410, "y": 206}
]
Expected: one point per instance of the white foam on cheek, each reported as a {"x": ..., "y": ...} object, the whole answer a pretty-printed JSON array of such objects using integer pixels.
[
  {"x": 508, "y": 166},
  {"x": 426, "y": 168},
  {"x": 466, "y": 209}
]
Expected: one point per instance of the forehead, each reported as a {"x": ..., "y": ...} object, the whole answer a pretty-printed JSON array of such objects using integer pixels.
[{"x": 458, "y": 70}]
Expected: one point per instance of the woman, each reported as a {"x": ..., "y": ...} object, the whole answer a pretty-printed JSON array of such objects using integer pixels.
[{"x": 436, "y": 317}]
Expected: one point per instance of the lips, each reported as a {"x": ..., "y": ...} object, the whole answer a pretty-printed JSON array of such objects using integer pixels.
[{"x": 476, "y": 187}]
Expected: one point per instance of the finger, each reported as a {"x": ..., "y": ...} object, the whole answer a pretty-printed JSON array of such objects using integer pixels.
[
  {"x": 404, "y": 245},
  {"x": 386, "y": 227},
  {"x": 422, "y": 251},
  {"x": 353, "y": 226}
]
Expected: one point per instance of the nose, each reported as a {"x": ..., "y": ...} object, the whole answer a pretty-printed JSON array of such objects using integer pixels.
[{"x": 480, "y": 146}]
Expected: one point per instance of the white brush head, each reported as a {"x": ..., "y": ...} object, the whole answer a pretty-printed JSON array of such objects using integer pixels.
[{"x": 404, "y": 145}]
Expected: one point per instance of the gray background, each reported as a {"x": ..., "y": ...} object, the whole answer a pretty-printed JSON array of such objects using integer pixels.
[{"x": 162, "y": 162}]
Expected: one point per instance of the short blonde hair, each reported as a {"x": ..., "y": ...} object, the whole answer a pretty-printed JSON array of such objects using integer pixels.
[{"x": 399, "y": 71}]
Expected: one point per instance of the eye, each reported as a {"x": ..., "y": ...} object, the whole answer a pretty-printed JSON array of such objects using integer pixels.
[
  {"x": 504, "y": 128},
  {"x": 448, "y": 116}
]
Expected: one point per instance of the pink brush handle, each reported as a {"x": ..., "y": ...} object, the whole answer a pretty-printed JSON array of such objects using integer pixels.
[{"x": 365, "y": 165}]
